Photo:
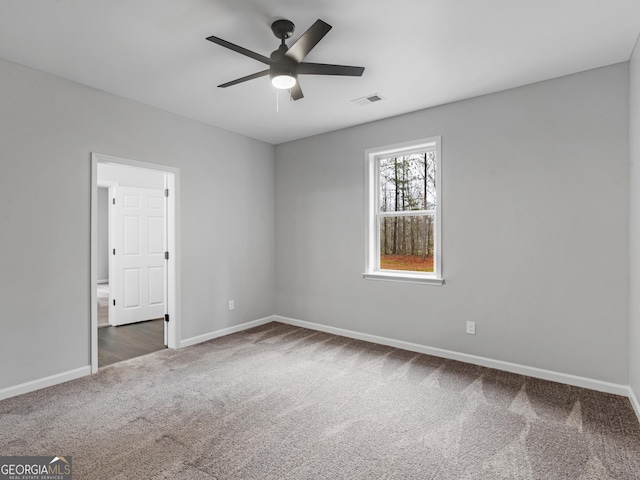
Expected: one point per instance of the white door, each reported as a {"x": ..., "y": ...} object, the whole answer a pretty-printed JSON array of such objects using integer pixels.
[{"x": 137, "y": 230}]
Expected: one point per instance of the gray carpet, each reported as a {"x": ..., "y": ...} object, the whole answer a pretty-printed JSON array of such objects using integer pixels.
[{"x": 280, "y": 402}]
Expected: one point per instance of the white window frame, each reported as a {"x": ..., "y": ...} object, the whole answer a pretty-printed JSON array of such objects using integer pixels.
[{"x": 373, "y": 215}]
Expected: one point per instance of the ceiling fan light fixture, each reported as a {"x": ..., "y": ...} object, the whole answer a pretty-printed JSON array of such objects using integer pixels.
[{"x": 283, "y": 82}]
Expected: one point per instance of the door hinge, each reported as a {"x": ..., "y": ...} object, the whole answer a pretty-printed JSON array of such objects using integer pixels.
[
  {"x": 114, "y": 201},
  {"x": 114, "y": 251},
  {"x": 114, "y": 302},
  {"x": 166, "y": 192},
  {"x": 166, "y": 317},
  {"x": 166, "y": 255}
]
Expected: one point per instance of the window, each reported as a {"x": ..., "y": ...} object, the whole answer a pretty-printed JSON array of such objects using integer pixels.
[{"x": 403, "y": 212}]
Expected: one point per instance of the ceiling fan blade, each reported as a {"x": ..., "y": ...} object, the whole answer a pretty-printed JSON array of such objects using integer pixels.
[
  {"x": 296, "y": 91},
  {"x": 327, "y": 69},
  {"x": 244, "y": 79},
  {"x": 242, "y": 50},
  {"x": 308, "y": 40}
]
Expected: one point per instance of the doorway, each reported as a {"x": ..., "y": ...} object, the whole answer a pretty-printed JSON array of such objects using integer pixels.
[{"x": 138, "y": 269}]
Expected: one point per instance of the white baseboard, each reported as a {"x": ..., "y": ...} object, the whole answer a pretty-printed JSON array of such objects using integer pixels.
[
  {"x": 44, "y": 382},
  {"x": 225, "y": 331},
  {"x": 467, "y": 358},
  {"x": 634, "y": 401}
]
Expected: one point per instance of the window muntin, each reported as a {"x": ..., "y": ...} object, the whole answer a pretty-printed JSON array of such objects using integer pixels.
[{"x": 403, "y": 212}]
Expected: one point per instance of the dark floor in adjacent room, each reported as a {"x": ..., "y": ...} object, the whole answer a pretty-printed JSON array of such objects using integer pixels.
[{"x": 127, "y": 341}]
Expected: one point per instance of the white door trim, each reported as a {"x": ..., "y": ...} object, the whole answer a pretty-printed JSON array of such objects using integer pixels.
[{"x": 173, "y": 267}]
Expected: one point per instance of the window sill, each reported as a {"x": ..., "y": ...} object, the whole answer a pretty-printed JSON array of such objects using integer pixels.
[{"x": 403, "y": 277}]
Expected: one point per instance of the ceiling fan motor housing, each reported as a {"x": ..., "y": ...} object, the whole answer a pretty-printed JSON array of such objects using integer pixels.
[{"x": 282, "y": 65}]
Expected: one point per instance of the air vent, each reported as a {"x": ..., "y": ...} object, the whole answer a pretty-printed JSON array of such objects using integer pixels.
[{"x": 374, "y": 97}]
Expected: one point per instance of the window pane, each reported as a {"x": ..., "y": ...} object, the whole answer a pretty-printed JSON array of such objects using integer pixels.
[
  {"x": 408, "y": 182},
  {"x": 406, "y": 243}
]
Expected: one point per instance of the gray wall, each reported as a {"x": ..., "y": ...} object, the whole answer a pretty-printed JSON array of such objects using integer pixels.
[
  {"x": 634, "y": 222},
  {"x": 535, "y": 228},
  {"x": 103, "y": 234},
  {"x": 48, "y": 128},
  {"x": 535, "y": 223}
]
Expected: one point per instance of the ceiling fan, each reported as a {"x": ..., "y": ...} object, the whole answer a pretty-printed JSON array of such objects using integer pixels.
[{"x": 285, "y": 63}]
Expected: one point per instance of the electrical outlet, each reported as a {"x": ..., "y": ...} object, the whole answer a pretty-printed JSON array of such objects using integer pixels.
[
  {"x": 232, "y": 305},
  {"x": 471, "y": 328}
]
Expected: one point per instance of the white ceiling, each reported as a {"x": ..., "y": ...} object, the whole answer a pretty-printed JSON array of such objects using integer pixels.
[{"x": 417, "y": 53}]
